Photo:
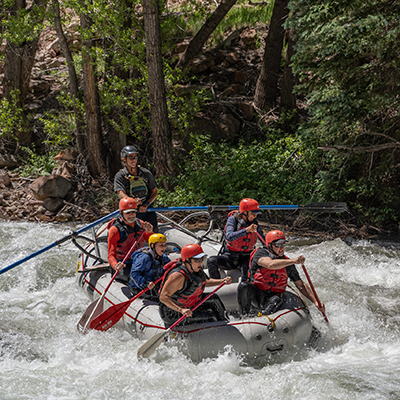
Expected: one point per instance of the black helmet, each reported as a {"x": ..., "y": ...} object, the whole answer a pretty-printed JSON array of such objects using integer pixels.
[{"x": 128, "y": 150}]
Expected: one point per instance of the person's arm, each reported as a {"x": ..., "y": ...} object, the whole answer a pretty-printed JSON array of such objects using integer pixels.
[
  {"x": 231, "y": 233},
  {"x": 153, "y": 194},
  {"x": 216, "y": 282},
  {"x": 307, "y": 292},
  {"x": 174, "y": 283},
  {"x": 278, "y": 263},
  {"x": 121, "y": 184},
  {"x": 113, "y": 237}
]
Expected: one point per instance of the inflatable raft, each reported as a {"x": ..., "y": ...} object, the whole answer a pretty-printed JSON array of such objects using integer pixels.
[{"x": 254, "y": 337}]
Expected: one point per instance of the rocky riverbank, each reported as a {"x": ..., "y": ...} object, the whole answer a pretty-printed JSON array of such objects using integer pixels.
[{"x": 89, "y": 200}]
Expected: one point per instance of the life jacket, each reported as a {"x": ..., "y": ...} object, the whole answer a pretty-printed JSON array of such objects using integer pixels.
[
  {"x": 137, "y": 184},
  {"x": 268, "y": 279},
  {"x": 193, "y": 287},
  {"x": 245, "y": 243},
  {"x": 127, "y": 236},
  {"x": 156, "y": 269}
]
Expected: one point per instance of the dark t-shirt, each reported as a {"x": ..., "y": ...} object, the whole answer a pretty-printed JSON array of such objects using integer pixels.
[
  {"x": 135, "y": 186},
  {"x": 264, "y": 252}
]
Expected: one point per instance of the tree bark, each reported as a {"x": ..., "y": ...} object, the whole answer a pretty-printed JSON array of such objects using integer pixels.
[
  {"x": 162, "y": 138},
  {"x": 288, "y": 97},
  {"x": 18, "y": 66},
  {"x": 73, "y": 80},
  {"x": 267, "y": 83},
  {"x": 95, "y": 148},
  {"x": 204, "y": 33}
]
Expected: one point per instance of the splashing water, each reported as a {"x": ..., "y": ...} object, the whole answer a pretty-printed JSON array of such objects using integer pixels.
[{"x": 42, "y": 355}]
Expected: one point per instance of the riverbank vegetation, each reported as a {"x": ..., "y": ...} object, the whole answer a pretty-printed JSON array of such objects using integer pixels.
[{"x": 287, "y": 102}]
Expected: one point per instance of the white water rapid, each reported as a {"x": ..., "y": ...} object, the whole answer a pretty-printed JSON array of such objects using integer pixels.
[{"x": 43, "y": 356}]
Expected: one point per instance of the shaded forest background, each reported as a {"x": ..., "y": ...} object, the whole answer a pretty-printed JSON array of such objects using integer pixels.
[{"x": 287, "y": 102}]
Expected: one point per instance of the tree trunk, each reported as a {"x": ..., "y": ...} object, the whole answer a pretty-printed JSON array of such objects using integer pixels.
[
  {"x": 162, "y": 138},
  {"x": 95, "y": 148},
  {"x": 204, "y": 33},
  {"x": 267, "y": 83},
  {"x": 288, "y": 97},
  {"x": 18, "y": 66},
  {"x": 73, "y": 80},
  {"x": 117, "y": 139}
]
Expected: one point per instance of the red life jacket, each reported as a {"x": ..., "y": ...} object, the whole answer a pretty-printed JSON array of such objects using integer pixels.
[
  {"x": 245, "y": 243},
  {"x": 268, "y": 279},
  {"x": 127, "y": 236},
  {"x": 192, "y": 289}
]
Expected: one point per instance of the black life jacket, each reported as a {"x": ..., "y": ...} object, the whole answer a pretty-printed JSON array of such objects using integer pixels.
[{"x": 193, "y": 287}]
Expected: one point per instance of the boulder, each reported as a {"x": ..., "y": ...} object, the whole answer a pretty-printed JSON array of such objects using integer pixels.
[
  {"x": 50, "y": 186},
  {"x": 53, "y": 204},
  {"x": 8, "y": 160},
  {"x": 247, "y": 110},
  {"x": 4, "y": 178},
  {"x": 66, "y": 155},
  {"x": 66, "y": 170}
]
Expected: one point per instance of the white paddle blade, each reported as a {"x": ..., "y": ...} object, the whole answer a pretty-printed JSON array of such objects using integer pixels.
[
  {"x": 93, "y": 311},
  {"x": 147, "y": 349}
]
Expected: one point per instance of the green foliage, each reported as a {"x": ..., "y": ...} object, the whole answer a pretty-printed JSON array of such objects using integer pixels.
[
  {"x": 36, "y": 165},
  {"x": 11, "y": 120},
  {"x": 279, "y": 170},
  {"x": 348, "y": 58}
]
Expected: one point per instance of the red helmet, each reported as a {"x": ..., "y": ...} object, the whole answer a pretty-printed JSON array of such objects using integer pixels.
[
  {"x": 127, "y": 203},
  {"x": 249, "y": 205},
  {"x": 273, "y": 236},
  {"x": 192, "y": 250}
]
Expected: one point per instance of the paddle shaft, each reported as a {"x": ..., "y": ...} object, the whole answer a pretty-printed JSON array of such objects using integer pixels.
[
  {"x": 196, "y": 306},
  {"x": 112, "y": 315},
  {"x": 315, "y": 293},
  {"x": 149, "y": 347},
  {"x": 112, "y": 280},
  {"x": 60, "y": 241},
  {"x": 316, "y": 207}
]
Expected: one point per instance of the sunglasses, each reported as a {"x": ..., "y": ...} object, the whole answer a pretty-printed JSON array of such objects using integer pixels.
[
  {"x": 198, "y": 260},
  {"x": 130, "y": 211},
  {"x": 279, "y": 244},
  {"x": 132, "y": 157}
]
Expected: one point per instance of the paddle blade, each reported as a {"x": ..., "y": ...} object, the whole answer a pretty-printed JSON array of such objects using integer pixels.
[
  {"x": 110, "y": 317},
  {"x": 95, "y": 309},
  {"x": 328, "y": 207},
  {"x": 147, "y": 349}
]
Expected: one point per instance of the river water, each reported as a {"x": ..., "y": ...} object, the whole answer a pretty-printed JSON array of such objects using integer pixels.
[{"x": 42, "y": 355}]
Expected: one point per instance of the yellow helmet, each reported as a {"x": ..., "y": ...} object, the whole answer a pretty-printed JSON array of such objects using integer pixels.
[{"x": 157, "y": 238}]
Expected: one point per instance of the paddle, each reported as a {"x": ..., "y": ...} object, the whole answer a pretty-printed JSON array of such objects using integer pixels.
[
  {"x": 112, "y": 315},
  {"x": 147, "y": 349},
  {"x": 60, "y": 241},
  {"x": 96, "y": 308},
  {"x": 315, "y": 207},
  {"x": 315, "y": 293}
]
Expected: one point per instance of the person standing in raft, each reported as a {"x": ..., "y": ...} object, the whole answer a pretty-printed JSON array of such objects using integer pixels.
[
  {"x": 183, "y": 287},
  {"x": 240, "y": 238},
  {"x": 122, "y": 233},
  {"x": 137, "y": 182},
  {"x": 147, "y": 266},
  {"x": 269, "y": 272}
]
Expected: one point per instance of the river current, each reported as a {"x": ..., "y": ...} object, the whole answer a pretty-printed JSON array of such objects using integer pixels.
[{"x": 43, "y": 356}]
